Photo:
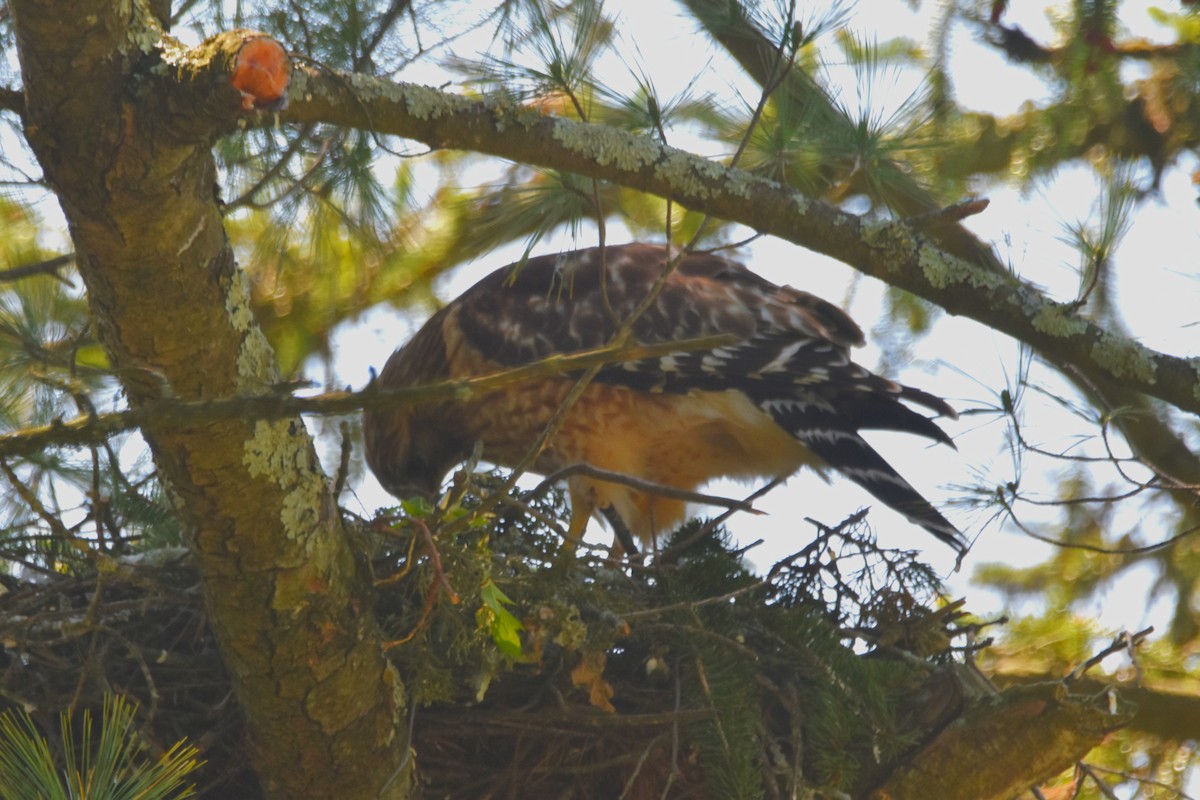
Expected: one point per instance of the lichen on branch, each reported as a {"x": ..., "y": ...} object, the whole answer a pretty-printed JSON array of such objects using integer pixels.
[{"x": 961, "y": 284}]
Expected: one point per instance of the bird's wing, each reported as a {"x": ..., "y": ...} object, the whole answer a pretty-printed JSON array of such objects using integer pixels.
[{"x": 791, "y": 355}]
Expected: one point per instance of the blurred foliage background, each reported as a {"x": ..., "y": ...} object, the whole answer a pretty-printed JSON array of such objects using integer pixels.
[{"x": 333, "y": 225}]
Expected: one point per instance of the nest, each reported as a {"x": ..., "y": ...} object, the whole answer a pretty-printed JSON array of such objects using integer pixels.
[
  {"x": 695, "y": 675},
  {"x": 137, "y": 629}
]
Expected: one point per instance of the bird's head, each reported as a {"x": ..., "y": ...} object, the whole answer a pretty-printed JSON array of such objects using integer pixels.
[
  {"x": 409, "y": 455},
  {"x": 411, "y": 448}
]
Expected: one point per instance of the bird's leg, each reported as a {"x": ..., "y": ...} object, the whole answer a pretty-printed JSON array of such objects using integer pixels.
[
  {"x": 582, "y": 505},
  {"x": 579, "y": 523},
  {"x": 625, "y": 543}
]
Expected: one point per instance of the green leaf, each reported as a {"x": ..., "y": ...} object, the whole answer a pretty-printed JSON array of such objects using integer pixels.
[
  {"x": 416, "y": 507},
  {"x": 504, "y": 628}
]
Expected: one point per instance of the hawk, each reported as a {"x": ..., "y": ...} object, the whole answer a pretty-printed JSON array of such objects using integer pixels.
[{"x": 783, "y": 395}]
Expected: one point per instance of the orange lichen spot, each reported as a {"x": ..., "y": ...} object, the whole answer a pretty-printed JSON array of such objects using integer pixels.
[{"x": 261, "y": 73}]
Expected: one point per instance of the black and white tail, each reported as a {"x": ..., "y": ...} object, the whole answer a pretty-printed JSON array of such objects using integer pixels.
[{"x": 830, "y": 430}]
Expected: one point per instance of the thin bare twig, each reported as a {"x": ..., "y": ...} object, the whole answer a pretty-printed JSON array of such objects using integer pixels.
[
  {"x": 950, "y": 214},
  {"x": 30, "y": 498},
  {"x": 1104, "y": 788},
  {"x": 49, "y": 266},
  {"x": 649, "y": 487},
  {"x": 1093, "y": 548},
  {"x": 1140, "y": 780},
  {"x": 168, "y": 412},
  {"x": 666, "y": 556},
  {"x": 691, "y": 605},
  {"x": 343, "y": 472},
  {"x": 246, "y": 198},
  {"x": 1122, "y": 641}
]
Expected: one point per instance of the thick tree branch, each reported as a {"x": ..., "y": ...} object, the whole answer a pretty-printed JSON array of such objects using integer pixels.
[
  {"x": 1167, "y": 713},
  {"x": 998, "y": 750},
  {"x": 1146, "y": 428},
  {"x": 892, "y": 251}
]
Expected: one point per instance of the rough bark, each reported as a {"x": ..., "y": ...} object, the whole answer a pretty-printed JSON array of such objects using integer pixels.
[
  {"x": 1167, "y": 712},
  {"x": 998, "y": 750},
  {"x": 122, "y": 122}
]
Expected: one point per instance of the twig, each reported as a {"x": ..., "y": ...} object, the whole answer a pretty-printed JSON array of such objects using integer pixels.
[
  {"x": 30, "y": 498},
  {"x": 703, "y": 677},
  {"x": 408, "y": 748},
  {"x": 668, "y": 555},
  {"x": 50, "y": 266},
  {"x": 637, "y": 768},
  {"x": 167, "y": 412},
  {"x": 545, "y": 519},
  {"x": 1122, "y": 641},
  {"x": 690, "y": 605},
  {"x": 1093, "y": 548},
  {"x": 1139, "y": 780},
  {"x": 620, "y": 531},
  {"x": 381, "y": 526},
  {"x": 1104, "y": 788},
  {"x": 136, "y": 653},
  {"x": 89, "y": 620},
  {"x": 950, "y": 214},
  {"x": 674, "y": 737},
  {"x": 344, "y": 462},
  {"x": 247, "y": 197},
  {"x": 440, "y": 582},
  {"x": 642, "y": 485}
]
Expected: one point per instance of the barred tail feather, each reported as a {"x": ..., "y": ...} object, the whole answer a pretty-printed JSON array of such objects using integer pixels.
[
  {"x": 874, "y": 412},
  {"x": 826, "y": 433}
]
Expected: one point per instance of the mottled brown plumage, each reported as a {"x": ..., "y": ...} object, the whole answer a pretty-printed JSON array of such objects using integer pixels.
[{"x": 784, "y": 395}]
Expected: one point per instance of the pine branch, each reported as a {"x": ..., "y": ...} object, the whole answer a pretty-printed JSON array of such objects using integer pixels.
[
  {"x": 1147, "y": 430},
  {"x": 753, "y": 50},
  {"x": 894, "y": 251},
  {"x": 167, "y": 413}
]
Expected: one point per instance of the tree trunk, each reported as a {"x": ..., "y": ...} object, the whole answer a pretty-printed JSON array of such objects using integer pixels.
[{"x": 122, "y": 121}]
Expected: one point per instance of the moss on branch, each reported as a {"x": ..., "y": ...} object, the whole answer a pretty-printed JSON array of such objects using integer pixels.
[{"x": 998, "y": 750}]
